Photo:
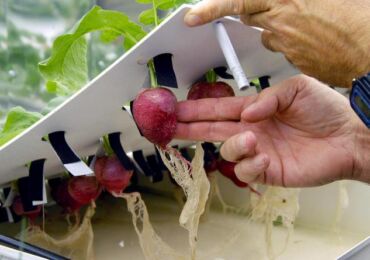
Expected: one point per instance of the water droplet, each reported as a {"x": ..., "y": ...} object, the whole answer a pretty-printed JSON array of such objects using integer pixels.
[
  {"x": 12, "y": 73},
  {"x": 101, "y": 64}
]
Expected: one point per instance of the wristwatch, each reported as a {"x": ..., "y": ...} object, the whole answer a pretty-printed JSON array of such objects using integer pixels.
[{"x": 360, "y": 98}]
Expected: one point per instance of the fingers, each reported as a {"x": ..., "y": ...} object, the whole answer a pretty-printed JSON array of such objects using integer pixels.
[
  {"x": 260, "y": 20},
  {"x": 239, "y": 146},
  {"x": 274, "y": 100},
  {"x": 209, "y": 10},
  {"x": 242, "y": 148},
  {"x": 208, "y": 131},
  {"x": 252, "y": 169},
  {"x": 212, "y": 109},
  {"x": 271, "y": 41}
]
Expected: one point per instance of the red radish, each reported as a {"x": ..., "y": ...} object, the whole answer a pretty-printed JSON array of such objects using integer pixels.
[
  {"x": 226, "y": 168},
  {"x": 61, "y": 196},
  {"x": 210, "y": 90},
  {"x": 84, "y": 189},
  {"x": 111, "y": 174},
  {"x": 154, "y": 111},
  {"x": 17, "y": 206}
]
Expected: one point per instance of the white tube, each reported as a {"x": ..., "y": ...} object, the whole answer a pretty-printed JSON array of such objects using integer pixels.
[{"x": 230, "y": 56}]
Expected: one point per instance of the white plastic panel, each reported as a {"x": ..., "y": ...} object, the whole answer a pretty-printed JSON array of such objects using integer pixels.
[{"x": 96, "y": 109}]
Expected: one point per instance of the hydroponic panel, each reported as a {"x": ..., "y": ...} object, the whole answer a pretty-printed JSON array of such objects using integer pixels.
[{"x": 96, "y": 109}]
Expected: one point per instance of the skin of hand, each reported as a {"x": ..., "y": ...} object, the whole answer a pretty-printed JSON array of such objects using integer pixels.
[
  {"x": 325, "y": 39},
  {"x": 298, "y": 133}
]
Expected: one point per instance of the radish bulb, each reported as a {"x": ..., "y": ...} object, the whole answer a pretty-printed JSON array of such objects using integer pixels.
[
  {"x": 226, "y": 168},
  {"x": 154, "y": 111},
  {"x": 84, "y": 189},
  {"x": 218, "y": 89},
  {"x": 62, "y": 197},
  {"x": 111, "y": 174},
  {"x": 18, "y": 209}
]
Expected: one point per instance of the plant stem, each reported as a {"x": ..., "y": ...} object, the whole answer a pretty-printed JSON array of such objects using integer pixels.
[
  {"x": 257, "y": 84},
  {"x": 107, "y": 147},
  {"x": 211, "y": 76},
  {"x": 153, "y": 77},
  {"x": 155, "y": 13}
]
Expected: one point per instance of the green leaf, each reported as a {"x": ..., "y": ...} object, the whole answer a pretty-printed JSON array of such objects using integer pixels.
[
  {"x": 69, "y": 71},
  {"x": 278, "y": 221},
  {"x": 16, "y": 122},
  {"x": 66, "y": 69},
  {"x": 144, "y": 1},
  {"x": 127, "y": 44},
  {"x": 166, "y": 4},
  {"x": 109, "y": 36},
  {"x": 53, "y": 103},
  {"x": 147, "y": 17},
  {"x": 181, "y": 2}
]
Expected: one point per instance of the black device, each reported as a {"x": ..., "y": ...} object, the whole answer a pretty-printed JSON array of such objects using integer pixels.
[{"x": 360, "y": 98}]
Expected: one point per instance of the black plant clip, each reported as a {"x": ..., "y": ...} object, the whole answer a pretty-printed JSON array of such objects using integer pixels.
[
  {"x": 154, "y": 165},
  {"x": 36, "y": 182},
  {"x": 26, "y": 194},
  {"x": 264, "y": 81},
  {"x": 140, "y": 160},
  {"x": 164, "y": 70},
  {"x": 222, "y": 72},
  {"x": 68, "y": 157},
  {"x": 116, "y": 145}
]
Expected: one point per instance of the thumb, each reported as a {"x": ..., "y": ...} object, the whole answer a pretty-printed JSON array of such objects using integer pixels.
[
  {"x": 209, "y": 10},
  {"x": 273, "y": 100}
]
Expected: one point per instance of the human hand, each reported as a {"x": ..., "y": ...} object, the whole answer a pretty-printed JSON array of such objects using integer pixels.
[
  {"x": 326, "y": 39},
  {"x": 297, "y": 133}
]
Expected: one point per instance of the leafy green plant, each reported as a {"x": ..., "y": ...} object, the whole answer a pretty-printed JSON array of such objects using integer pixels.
[{"x": 66, "y": 69}]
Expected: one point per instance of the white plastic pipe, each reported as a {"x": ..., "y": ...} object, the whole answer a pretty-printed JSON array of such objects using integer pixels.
[{"x": 230, "y": 56}]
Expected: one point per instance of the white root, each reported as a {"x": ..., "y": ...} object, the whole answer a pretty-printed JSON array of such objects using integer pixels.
[
  {"x": 342, "y": 204},
  {"x": 193, "y": 180},
  {"x": 153, "y": 247},
  {"x": 226, "y": 208},
  {"x": 76, "y": 244},
  {"x": 275, "y": 203}
]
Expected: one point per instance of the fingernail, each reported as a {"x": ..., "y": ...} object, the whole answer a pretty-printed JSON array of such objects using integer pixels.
[{"x": 192, "y": 20}]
